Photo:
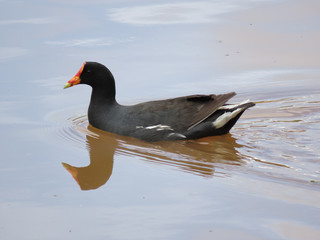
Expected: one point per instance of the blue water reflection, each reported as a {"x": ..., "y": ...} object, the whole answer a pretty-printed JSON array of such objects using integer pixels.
[{"x": 267, "y": 51}]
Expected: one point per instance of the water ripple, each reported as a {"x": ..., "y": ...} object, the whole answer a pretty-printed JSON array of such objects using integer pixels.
[{"x": 277, "y": 139}]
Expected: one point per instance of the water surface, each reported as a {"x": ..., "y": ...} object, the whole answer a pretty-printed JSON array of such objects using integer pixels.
[{"x": 63, "y": 179}]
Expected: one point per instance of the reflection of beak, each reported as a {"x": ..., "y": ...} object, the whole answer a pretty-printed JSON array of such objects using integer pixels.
[
  {"x": 73, "y": 171},
  {"x": 75, "y": 80}
]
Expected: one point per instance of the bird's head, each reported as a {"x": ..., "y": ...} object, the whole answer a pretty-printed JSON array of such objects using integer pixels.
[{"x": 93, "y": 74}]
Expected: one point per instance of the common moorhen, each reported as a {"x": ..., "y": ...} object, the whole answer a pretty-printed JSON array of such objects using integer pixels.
[{"x": 182, "y": 118}]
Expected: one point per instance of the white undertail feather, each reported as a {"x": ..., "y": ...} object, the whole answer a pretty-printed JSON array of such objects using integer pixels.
[
  {"x": 226, "y": 117},
  {"x": 230, "y": 106}
]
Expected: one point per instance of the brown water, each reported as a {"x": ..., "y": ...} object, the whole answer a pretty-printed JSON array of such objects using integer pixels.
[{"x": 63, "y": 179}]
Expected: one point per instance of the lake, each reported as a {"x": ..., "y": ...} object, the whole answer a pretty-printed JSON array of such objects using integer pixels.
[{"x": 63, "y": 179}]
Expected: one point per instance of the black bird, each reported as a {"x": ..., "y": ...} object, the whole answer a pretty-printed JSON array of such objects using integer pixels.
[{"x": 182, "y": 118}]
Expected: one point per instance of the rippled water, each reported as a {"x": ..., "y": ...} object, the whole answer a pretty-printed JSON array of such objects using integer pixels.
[
  {"x": 277, "y": 140},
  {"x": 63, "y": 179}
]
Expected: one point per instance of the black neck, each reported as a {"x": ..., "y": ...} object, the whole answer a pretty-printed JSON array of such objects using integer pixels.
[
  {"x": 101, "y": 105},
  {"x": 103, "y": 95}
]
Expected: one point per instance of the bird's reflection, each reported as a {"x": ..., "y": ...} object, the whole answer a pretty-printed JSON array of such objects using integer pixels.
[
  {"x": 101, "y": 151},
  {"x": 198, "y": 157}
]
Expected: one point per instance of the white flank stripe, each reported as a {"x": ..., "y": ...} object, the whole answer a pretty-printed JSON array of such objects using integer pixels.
[
  {"x": 226, "y": 117},
  {"x": 159, "y": 127},
  {"x": 176, "y": 135}
]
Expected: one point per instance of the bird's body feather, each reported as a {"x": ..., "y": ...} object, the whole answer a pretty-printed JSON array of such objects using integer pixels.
[{"x": 181, "y": 118}]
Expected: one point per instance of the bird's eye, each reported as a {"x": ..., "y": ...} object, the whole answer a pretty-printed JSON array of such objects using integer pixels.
[{"x": 88, "y": 71}]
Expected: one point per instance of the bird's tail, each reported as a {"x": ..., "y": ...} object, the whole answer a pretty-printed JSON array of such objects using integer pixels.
[{"x": 228, "y": 115}]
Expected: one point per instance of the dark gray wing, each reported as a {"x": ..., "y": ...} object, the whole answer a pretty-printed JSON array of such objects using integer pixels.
[{"x": 180, "y": 114}]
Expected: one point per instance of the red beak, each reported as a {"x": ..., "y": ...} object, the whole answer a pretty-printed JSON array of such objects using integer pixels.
[{"x": 76, "y": 79}]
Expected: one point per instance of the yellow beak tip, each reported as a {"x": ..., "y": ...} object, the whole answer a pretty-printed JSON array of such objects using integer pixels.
[{"x": 67, "y": 85}]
